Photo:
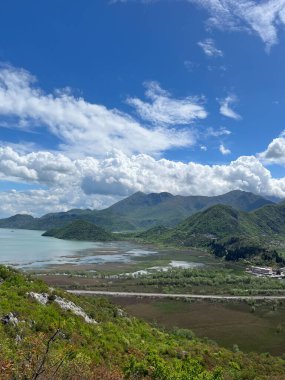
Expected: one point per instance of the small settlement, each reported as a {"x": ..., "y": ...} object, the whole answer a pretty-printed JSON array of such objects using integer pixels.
[{"x": 266, "y": 271}]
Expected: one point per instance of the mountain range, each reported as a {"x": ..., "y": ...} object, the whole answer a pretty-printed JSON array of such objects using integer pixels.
[
  {"x": 226, "y": 231},
  {"x": 140, "y": 211}
]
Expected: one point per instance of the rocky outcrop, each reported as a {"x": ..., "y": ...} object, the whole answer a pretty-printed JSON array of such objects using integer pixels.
[
  {"x": 10, "y": 318},
  {"x": 44, "y": 298}
]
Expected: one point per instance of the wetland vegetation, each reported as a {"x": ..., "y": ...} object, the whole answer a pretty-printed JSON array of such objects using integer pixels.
[{"x": 252, "y": 326}]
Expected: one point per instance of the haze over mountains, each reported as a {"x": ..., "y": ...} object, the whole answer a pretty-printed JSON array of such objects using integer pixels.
[{"x": 140, "y": 211}]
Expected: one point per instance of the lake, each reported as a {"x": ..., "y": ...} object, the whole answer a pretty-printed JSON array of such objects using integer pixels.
[{"x": 28, "y": 250}]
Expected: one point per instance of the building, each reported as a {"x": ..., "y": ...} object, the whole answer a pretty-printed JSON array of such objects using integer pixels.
[{"x": 265, "y": 271}]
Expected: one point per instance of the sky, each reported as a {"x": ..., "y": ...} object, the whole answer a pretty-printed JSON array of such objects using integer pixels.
[{"x": 100, "y": 99}]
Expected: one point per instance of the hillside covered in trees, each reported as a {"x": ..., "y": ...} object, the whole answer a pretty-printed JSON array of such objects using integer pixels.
[
  {"x": 229, "y": 232},
  {"x": 81, "y": 230}
]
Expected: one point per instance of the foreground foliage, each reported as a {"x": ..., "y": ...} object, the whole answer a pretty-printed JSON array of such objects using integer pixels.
[{"x": 46, "y": 342}]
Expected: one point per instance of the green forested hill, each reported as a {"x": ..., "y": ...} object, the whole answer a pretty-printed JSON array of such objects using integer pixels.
[
  {"x": 140, "y": 211},
  {"x": 19, "y": 221},
  {"x": 229, "y": 232},
  {"x": 49, "y": 334},
  {"x": 221, "y": 221},
  {"x": 81, "y": 230},
  {"x": 60, "y": 219}
]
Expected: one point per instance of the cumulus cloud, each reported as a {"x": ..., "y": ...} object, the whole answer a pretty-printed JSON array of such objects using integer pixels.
[
  {"x": 209, "y": 48},
  {"x": 275, "y": 152},
  {"x": 92, "y": 182},
  {"x": 40, "y": 202},
  {"x": 145, "y": 173},
  {"x": 38, "y": 167},
  {"x": 93, "y": 177},
  {"x": 163, "y": 109},
  {"x": 226, "y": 109},
  {"x": 224, "y": 150},
  {"x": 91, "y": 129}
]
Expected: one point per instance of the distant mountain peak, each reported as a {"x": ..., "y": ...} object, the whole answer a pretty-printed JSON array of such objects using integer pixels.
[
  {"x": 137, "y": 194},
  {"x": 159, "y": 197},
  {"x": 238, "y": 191},
  {"x": 163, "y": 194},
  {"x": 22, "y": 216}
]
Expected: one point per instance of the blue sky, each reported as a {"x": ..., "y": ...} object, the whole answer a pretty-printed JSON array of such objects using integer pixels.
[{"x": 102, "y": 99}]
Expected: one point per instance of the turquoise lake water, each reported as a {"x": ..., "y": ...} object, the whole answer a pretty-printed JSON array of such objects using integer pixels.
[{"x": 25, "y": 249}]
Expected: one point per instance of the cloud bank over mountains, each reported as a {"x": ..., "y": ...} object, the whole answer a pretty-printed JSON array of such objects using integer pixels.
[
  {"x": 95, "y": 183},
  {"x": 104, "y": 155}
]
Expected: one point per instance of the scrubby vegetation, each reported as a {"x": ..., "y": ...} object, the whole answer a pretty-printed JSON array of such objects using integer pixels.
[
  {"x": 191, "y": 281},
  {"x": 44, "y": 341},
  {"x": 204, "y": 281}
]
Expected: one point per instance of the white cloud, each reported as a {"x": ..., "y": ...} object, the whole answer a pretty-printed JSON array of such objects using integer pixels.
[
  {"x": 190, "y": 65},
  {"x": 39, "y": 167},
  {"x": 92, "y": 182},
  {"x": 224, "y": 150},
  {"x": 40, "y": 202},
  {"x": 92, "y": 177},
  {"x": 275, "y": 152},
  {"x": 166, "y": 110},
  {"x": 220, "y": 68},
  {"x": 209, "y": 48},
  {"x": 91, "y": 129},
  {"x": 260, "y": 17},
  {"x": 263, "y": 18},
  {"x": 211, "y": 132},
  {"x": 145, "y": 173},
  {"x": 225, "y": 107}
]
